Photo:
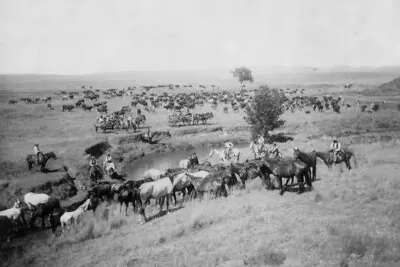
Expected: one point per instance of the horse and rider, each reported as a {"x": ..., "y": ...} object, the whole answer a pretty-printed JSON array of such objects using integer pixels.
[
  {"x": 336, "y": 149},
  {"x": 38, "y": 153},
  {"x": 228, "y": 149}
]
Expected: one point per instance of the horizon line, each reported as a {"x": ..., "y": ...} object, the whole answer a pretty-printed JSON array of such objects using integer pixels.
[{"x": 209, "y": 69}]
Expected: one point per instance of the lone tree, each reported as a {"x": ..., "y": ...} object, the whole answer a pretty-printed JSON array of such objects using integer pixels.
[
  {"x": 264, "y": 111},
  {"x": 243, "y": 74}
]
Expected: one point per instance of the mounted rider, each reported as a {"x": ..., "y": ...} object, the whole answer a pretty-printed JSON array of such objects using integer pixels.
[
  {"x": 260, "y": 142},
  {"x": 193, "y": 159},
  {"x": 228, "y": 148},
  {"x": 38, "y": 153},
  {"x": 93, "y": 162},
  {"x": 108, "y": 163},
  {"x": 336, "y": 148},
  {"x": 275, "y": 149}
]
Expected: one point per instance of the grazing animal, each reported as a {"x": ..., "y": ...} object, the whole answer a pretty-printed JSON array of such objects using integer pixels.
[
  {"x": 34, "y": 199},
  {"x": 70, "y": 217},
  {"x": 126, "y": 196},
  {"x": 44, "y": 210},
  {"x": 12, "y": 213},
  {"x": 185, "y": 164},
  {"x": 101, "y": 191},
  {"x": 67, "y": 107},
  {"x": 308, "y": 158},
  {"x": 154, "y": 174},
  {"x": 212, "y": 184},
  {"x": 156, "y": 190},
  {"x": 95, "y": 174},
  {"x": 235, "y": 153},
  {"x": 182, "y": 183},
  {"x": 55, "y": 219},
  {"x": 343, "y": 156},
  {"x": 285, "y": 168},
  {"x": 31, "y": 160}
]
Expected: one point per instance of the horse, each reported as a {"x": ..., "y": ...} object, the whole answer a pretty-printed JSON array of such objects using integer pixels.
[
  {"x": 129, "y": 195},
  {"x": 222, "y": 155},
  {"x": 212, "y": 184},
  {"x": 95, "y": 173},
  {"x": 308, "y": 158},
  {"x": 344, "y": 156},
  {"x": 258, "y": 151},
  {"x": 14, "y": 213},
  {"x": 154, "y": 174},
  {"x": 182, "y": 183},
  {"x": 156, "y": 190},
  {"x": 285, "y": 168},
  {"x": 34, "y": 199},
  {"x": 43, "y": 158},
  {"x": 185, "y": 164},
  {"x": 43, "y": 210},
  {"x": 70, "y": 217},
  {"x": 100, "y": 191}
]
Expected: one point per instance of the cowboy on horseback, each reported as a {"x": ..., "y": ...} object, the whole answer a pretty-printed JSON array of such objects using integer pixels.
[
  {"x": 193, "y": 159},
  {"x": 93, "y": 162},
  {"x": 336, "y": 149},
  {"x": 108, "y": 163},
  {"x": 37, "y": 153},
  {"x": 260, "y": 142},
  {"x": 228, "y": 148},
  {"x": 275, "y": 149}
]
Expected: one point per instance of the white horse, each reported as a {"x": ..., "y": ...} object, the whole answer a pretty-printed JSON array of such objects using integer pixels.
[
  {"x": 34, "y": 199},
  {"x": 258, "y": 151},
  {"x": 184, "y": 164},
  {"x": 234, "y": 153},
  {"x": 69, "y": 218},
  {"x": 153, "y": 173},
  {"x": 13, "y": 213},
  {"x": 156, "y": 190}
]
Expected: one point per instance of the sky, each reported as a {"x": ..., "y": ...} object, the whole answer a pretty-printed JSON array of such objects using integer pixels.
[{"x": 82, "y": 36}]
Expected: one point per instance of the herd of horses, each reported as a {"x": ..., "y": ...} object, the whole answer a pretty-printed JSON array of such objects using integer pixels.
[{"x": 192, "y": 179}]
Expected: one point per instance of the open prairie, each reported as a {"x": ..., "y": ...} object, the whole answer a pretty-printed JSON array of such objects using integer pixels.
[{"x": 349, "y": 218}]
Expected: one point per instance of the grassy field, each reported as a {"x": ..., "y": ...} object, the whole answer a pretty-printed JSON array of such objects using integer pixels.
[{"x": 348, "y": 219}]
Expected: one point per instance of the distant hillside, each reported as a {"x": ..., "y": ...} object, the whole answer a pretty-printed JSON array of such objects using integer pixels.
[
  {"x": 221, "y": 77},
  {"x": 392, "y": 87}
]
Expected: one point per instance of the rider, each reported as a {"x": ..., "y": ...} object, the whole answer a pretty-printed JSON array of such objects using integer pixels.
[
  {"x": 260, "y": 141},
  {"x": 37, "y": 152},
  {"x": 193, "y": 159},
  {"x": 336, "y": 148},
  {"x": 93, "y": 162},
  {"x": 275, "y": 149},
  {"x": 228, "y": 148}
]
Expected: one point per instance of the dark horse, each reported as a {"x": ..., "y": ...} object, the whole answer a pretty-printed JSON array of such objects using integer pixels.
[
  {"x": 308, "y": 158},
  {"x": 343, "y": 156},
  {"x": 43, "y": 158},
  {"x": 95, "y": 174},
  {"x": 45, "y": 210},
  {"x": 287, "y": 169}
]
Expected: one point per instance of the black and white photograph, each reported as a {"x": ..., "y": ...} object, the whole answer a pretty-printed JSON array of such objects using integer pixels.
[{"x": 202, "y": 133}]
